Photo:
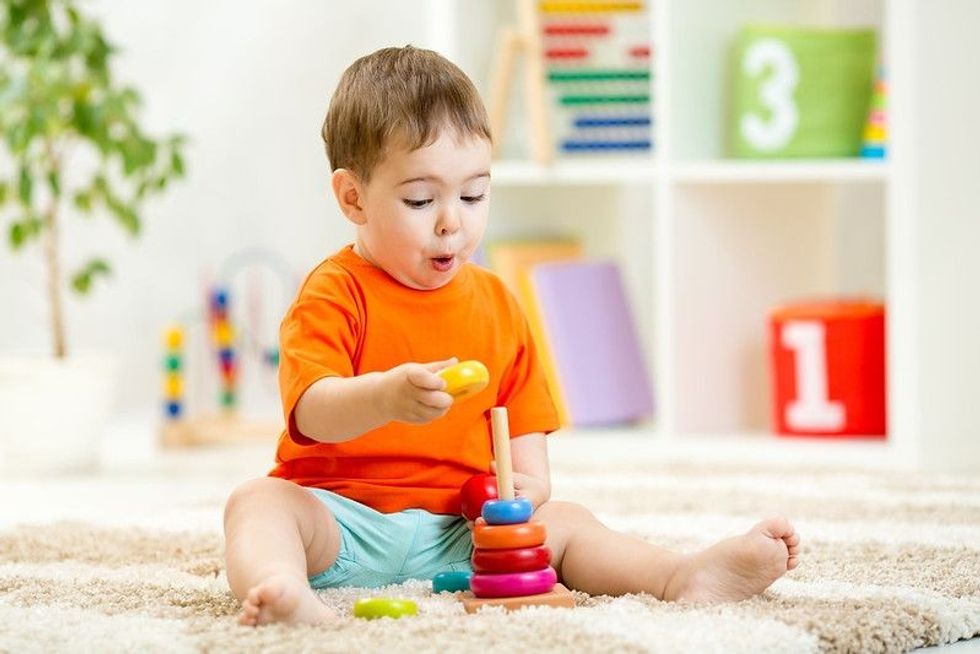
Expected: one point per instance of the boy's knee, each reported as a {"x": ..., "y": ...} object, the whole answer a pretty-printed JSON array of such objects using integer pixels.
[
  {"x": 259, "y": 490},
  {"x": 568, "y": 512}
]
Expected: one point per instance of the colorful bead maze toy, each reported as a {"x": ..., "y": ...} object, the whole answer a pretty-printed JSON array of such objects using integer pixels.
[
  {"x": 173, "y": 364},
  {"x": 511, "y": 564},
  {"x": 212, "y": 332}
]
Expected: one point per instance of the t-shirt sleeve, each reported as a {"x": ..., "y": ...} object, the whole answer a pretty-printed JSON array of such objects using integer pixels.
[
  {"x": 318, "y": 338},
  {"x": 524, "y": 389}
]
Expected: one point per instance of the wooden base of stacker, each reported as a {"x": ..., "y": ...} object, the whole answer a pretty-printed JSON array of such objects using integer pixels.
[{"x": 559, "y": 597}]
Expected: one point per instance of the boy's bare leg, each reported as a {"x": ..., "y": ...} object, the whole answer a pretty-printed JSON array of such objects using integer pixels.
[
  {"x": 597, "y": 560},
  {"x": 276, "y": 535}
]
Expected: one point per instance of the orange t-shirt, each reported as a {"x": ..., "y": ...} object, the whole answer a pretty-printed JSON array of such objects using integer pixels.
[{"x": 351, "y": 318}]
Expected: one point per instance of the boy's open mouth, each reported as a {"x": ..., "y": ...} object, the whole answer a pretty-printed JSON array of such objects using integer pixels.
[{"x": 442, "y": 264}]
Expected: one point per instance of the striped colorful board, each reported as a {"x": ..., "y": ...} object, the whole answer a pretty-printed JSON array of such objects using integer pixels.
[{"x": 597, "y": 56}]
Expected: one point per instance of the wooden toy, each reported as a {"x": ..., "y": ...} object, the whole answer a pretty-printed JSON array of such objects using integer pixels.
[
  {"x": 525, "y": 39},
  {"x": 173, "y": 382},
  {"x": 465, "y": 379},
  {"x": 515, "y": 560},
  {"x": 451, "y": 581},
  {"x": 477, "y": 490},
  {"x": 512, "y": 563},
  {"x": 372, "y": 608},
  {"x": 507, "y": 512},
  {"x": 223, "y": 337},
  {"x": 505, "y": 537},
  {"x": 512, "y": 584},
  {"x": 587, "y": 76},
  {"x": 240, "y": 345}
]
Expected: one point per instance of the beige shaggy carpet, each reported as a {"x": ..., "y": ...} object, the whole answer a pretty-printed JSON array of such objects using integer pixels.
[{"x": 891, "y": 562}]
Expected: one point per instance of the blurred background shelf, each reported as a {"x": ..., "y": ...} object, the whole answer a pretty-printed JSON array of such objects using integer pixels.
[
  {"x": 756, "y": 172},
  {"x": 706, "y": 245},
  {"x": 709, "y": 245},
  {"x": 626, "y": 170}
]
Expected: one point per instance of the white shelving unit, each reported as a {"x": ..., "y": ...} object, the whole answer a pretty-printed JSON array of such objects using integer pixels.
[{"x": 709, "y": 245}]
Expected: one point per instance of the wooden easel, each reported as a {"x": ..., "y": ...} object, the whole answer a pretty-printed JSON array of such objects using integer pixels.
[{"x": 525, "y": 39}]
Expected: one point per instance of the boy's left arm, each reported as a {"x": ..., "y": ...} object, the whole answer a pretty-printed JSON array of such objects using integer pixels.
[{"x": 532, "y": 473}]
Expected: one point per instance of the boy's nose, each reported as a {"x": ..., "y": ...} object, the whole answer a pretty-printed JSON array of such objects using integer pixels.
[{"x": 448, "y": 222}]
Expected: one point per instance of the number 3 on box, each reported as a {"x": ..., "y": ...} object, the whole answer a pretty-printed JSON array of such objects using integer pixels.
[{"x": 776, "y": 95}]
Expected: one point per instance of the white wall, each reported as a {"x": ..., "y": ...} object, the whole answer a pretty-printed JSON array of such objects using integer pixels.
[{"x": 249, "y": 83}]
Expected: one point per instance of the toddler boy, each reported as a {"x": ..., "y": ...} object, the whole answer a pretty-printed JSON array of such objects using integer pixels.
[{"x": 366, "y": 487}]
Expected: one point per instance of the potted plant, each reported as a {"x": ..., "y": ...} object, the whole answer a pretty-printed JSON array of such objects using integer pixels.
[{"x": 70, "y": 143}]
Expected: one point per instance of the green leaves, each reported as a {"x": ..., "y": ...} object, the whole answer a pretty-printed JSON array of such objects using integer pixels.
[
  {"x": 81, "y": 281},
  {"x": 25, "y": 186},
  {"x": 24, "y": 230},
  {"x": 58, "y": 99}
]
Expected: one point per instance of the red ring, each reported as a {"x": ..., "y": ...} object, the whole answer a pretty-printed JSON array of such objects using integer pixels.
[{"x": 523, "y": 559}]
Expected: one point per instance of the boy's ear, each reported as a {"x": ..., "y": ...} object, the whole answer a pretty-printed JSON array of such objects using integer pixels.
[{"x": 348, "y": 191}]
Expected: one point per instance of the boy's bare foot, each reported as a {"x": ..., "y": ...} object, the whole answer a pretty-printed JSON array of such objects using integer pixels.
[
  {"x": 282, "y": 598},
  {"x": 737, "y": 568}
]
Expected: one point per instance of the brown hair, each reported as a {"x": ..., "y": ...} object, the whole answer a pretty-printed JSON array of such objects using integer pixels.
[{"x": 406, "y": 92}]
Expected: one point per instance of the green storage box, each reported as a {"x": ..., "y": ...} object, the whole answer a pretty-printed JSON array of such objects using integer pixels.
[{"x": 800, "y": 91}]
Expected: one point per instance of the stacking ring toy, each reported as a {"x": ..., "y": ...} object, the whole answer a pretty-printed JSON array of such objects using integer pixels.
[
  {"x": 507, "y": 512},
  {"x": 520, "y": 560},
  {"x": 508, "y": 537},
  {"x": 466, "y": 378},
  {"x": 451, "y": 581},
  {"x": 514, "y": 584},
  {"x": 371, "y": 608},
  {"x": 477, "y": 490}
]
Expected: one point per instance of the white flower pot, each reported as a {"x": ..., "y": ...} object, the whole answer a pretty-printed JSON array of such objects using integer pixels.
[{"x": 53, "y": 413}]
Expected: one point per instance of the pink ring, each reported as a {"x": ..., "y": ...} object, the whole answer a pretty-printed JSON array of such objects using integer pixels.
[{"x": 514, "y": 584}]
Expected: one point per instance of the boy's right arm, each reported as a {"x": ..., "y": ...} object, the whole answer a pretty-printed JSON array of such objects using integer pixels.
[{"x": 337, "y": 409}]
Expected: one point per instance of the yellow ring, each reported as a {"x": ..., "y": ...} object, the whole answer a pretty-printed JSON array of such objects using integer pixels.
[{"x": 466, "y": 378}]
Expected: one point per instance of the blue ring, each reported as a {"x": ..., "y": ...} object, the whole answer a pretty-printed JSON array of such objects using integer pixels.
[
  {"x": 507, "y": 512},
  {"x": 451, "y": 581}
]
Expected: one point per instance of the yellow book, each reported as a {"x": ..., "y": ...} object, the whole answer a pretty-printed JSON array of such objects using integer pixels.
[{"x": 512, "y": 261}]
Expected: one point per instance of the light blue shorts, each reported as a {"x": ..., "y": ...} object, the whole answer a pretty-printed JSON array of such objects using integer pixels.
[{"x": 377, "y": 549}]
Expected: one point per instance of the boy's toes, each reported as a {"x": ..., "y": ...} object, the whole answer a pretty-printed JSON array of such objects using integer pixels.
[
  {"x": 777, "y": 527},
  {"x": 249, "y": 615}
]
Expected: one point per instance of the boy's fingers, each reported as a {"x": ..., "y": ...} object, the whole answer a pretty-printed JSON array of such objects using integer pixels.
[
  {"x": 436, "y": 400},
  {"x": 421, "y": 377},
  {"x": 436, "y": 366}
]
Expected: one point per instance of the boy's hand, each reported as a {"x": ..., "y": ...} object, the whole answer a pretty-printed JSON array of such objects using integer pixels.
[
  {"x": 414, "y": 393},
  {"x": 535, "y": 490}
]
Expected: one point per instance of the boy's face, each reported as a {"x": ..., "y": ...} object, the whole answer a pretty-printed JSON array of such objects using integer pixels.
[{"x": 423, "y": 213}]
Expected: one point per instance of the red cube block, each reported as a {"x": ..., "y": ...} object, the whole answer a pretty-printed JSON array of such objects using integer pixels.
[{"x": 828, "y": 368}]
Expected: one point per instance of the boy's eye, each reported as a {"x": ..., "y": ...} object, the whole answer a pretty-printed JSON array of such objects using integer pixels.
[
  {"x": 416, "y": 204},
  {"x": 472, "y": 199}
]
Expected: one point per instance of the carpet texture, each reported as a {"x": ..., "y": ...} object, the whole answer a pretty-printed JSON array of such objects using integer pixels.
[{"x": 890, "y": 562}]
